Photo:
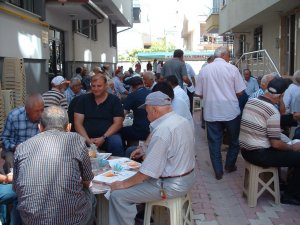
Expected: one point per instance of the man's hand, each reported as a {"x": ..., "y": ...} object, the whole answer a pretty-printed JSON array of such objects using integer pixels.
[
  {"x": 137, "y": 154},
  {"x": 117, "y": 185},
  {"x": 98, "y": 141},
  {"x": 296, "y": 147}
]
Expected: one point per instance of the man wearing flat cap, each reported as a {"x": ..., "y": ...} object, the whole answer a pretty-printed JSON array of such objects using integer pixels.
[
  {"x": 56, "y": 96},
  {"x": 260, "y": 138},
  {"x": 168, "y": 167},
  {"x": 140, "y": 127}
]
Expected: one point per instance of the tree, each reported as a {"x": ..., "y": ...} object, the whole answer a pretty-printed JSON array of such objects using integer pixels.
[{"x": 157, "y": 46}]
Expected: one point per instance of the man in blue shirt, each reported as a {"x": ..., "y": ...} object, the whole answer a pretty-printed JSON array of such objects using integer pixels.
[
  {"x": 251, "y": 82},
  {"x": 74, "y": 89},
  {"x": 140, "y": 127},
  {"x": 21, "y": 124}
]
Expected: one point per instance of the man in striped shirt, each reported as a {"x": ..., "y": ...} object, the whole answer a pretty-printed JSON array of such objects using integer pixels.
[
  {"x": 55, "y": 96},
  {"x": 260, "y": 138},
  {"x": 52, "y": 174}
]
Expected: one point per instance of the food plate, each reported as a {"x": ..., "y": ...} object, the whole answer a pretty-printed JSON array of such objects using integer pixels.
[
  {"x": 103, "y": 155},
  {"x": 112, "y": 176},
  {"x": 131, "y": 164},
  {"x": 125, "y": 163}
]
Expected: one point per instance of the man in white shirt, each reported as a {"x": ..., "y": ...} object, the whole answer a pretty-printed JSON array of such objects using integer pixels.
[
  {"x": 219, "y": 84},
  {"x": 168, "y": 167}
]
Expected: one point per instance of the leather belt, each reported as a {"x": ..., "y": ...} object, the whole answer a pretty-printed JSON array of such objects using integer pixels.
[{"x": 182, "y": 175}]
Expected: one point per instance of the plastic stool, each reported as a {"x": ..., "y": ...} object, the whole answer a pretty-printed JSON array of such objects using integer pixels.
[
  {"x": 180, "y": 210},
  {"x": 257, "y": 180},
  {"x": 196, "y": 99}
]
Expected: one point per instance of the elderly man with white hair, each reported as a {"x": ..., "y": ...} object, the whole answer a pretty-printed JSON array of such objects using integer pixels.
[
  {"x": 74, "y": 89},
  {"x": 263, "y": 85},
  {"x": 149, "y": 79},
  {"x": 168, "y": 167},
  {"x": 219, "y": 83}
]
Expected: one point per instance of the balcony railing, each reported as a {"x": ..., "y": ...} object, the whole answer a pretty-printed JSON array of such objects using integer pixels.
[{"x": 259, "y": 63}]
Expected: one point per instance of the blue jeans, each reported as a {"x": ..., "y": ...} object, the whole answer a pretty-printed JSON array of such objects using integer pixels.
[
  {"x": 114, "y": 145},
  {"x": 7, "y": 196},
  {"x": 215, "y": 131}
]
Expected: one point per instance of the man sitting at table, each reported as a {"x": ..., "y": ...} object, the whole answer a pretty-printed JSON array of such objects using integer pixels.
[
  {"x": 52, "y": 174},
  {"x": 99, "y": 116},
  {"x": 140, "y": 127},
  {"x": 21, "y": 124},
  {"x": 168, "y": 167}
]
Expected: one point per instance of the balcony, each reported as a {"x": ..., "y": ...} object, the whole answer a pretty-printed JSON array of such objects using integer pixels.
[
  {"x": 118, "y": 11},
  {"x": 212, "y": 21}
]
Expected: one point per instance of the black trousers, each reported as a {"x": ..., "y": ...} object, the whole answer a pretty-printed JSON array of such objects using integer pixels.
[
  {"x": 191, "y": 96},
  {"x": 271, "y": 157}
]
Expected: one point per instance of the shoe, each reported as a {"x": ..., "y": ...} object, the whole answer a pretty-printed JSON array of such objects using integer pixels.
[
  {"x": 288, "y": 199},
  {"x": 219, "y": 176},
  {"x": 230, "y": 169}
]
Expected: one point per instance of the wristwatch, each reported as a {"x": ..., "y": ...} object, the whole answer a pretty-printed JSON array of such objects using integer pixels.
[{"x": 104, "y": 137}]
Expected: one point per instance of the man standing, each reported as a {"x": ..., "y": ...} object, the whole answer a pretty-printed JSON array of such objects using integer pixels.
[
  {"x": 21, "y": 124},
  {"x": 260, "y": 138},
  {"x": 190, "y": 91},
  {"x": 74, "y": 89},
  {"x": 168, "y": 167},
  {"x": 52, "y": 174},
  {"x": 99, "y": 116},
  {"x": 219, "y": 83},
  {"x": 176, "y": 66},
  {"x": 55, "y": 96}
]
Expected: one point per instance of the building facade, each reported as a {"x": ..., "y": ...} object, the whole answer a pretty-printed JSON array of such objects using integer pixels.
[
  {"x": 273, "y": 25},
  {"x": 56, "y": 36}
]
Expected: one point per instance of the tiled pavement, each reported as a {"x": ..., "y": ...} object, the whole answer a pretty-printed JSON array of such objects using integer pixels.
[{"x": 220, "y": 202}]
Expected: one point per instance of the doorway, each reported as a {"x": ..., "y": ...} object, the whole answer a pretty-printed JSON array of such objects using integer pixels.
[{"x": 56, "y": 64}]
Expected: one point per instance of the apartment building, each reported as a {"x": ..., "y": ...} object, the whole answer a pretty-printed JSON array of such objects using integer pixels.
[
  {"x": 273, "y": 25},
  {"x": 55, "y": 36}
]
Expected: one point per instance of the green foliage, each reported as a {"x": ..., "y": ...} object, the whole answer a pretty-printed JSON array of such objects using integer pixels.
[{"x": 157, "y": 46}]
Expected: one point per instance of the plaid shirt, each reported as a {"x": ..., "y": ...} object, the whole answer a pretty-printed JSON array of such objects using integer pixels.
[
  {"x": 48, "y": 173},
  {"x": 256, "y": 94},
  {"x": 18, "y": 128},
  {"x": 70, "y": 94}
]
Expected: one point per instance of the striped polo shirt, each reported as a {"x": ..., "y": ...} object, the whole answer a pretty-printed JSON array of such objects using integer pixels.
[
  {"x": 54, "y": 97},
  {"x": 260, "y": 123},
  {"x": 48, "y": 173}
]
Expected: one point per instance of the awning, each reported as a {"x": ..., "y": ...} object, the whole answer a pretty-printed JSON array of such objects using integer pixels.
[{"x": 188, "y": 56}]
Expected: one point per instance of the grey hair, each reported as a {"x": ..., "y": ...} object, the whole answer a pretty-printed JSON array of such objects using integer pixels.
[
  {"x": 222, "y": 50},
  {"x": 32, "y": 99},
  {"x": 149, "y": 74},
  {"x": 296, "y": 76},
  {"x": 267, "y": 78},
  {"x": 74, "y": 80},
  {"x": 54, "y": 117}
]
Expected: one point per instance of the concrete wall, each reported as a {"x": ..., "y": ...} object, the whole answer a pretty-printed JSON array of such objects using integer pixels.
[
  {"x": 125, "y": 7},
  {"x": 23, "y": 39},
  {"x": 234, "y": 13}
]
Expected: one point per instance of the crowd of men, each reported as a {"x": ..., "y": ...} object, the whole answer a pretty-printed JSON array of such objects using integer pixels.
[{"x": 50, "y": 168}]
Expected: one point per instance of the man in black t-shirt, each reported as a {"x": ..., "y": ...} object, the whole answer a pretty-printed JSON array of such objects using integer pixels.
[{"x": 98, "y": 116}]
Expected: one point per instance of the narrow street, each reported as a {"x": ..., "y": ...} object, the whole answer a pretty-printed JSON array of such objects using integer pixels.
[{"x": 220, "y": 202}]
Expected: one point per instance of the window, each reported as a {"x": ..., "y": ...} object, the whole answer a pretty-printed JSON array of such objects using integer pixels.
[
  {"x": 81, "y": 26},
  {"x": 94, "y": 30},
  {"x": 35, "y": 6},
  {"x": 113, "y": 35},
  {"x": 258, "y": 39}
]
